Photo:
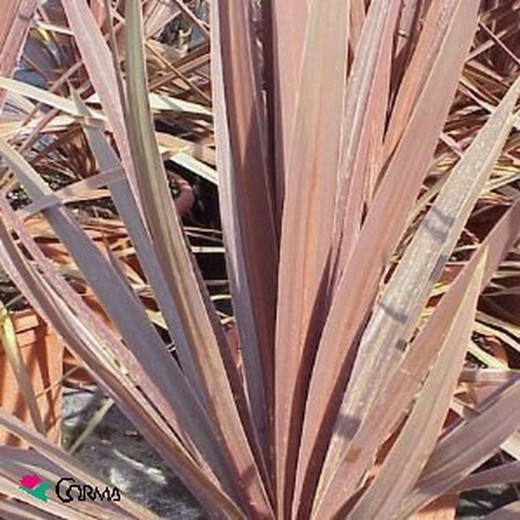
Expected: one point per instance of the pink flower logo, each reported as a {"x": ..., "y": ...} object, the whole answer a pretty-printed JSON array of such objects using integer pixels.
[
  {"x": 30, "y": 481},
  {"x": 34, "y": 485}
]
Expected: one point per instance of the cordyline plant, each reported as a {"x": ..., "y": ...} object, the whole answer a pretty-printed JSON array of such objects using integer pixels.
[{"x": 354, "y": 140}]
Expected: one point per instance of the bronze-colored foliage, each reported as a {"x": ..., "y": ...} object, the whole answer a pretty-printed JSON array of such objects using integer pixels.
[{"x": 367, "y": 160}]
